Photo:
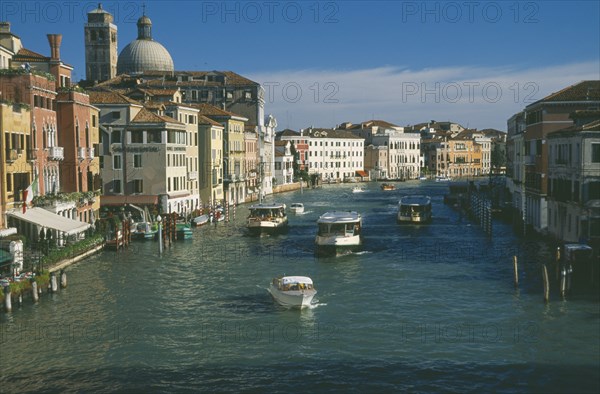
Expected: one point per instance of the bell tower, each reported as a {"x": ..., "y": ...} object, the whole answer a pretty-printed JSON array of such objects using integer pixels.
[{"x": 100, "y": 46}]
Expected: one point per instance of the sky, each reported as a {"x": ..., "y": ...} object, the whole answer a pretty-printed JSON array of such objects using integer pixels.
[{"x": 323, "y": 63}]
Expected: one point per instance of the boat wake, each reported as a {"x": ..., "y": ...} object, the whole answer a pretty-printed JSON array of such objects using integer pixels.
[
  {"x": 317, "y": 304},
  {"x": 362, "y": 252}
]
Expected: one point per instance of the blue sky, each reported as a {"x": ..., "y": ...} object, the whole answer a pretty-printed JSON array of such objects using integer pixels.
[{"x": 326, "y": 62}]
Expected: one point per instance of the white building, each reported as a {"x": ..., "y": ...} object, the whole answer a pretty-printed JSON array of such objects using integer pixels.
[
  {"x": 334, "y": 155},
  {"x": 404, "y": 149},
  {"x": 284, "y": 170}
]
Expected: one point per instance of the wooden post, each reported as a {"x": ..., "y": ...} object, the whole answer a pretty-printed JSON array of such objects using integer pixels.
[
  {"x": 63, "y": 279},
  {"x": 34, "y": 291},
  {"x": 515, "y": 266},
  {"x": 53, "y": 283},
  {"x": 546, "y": 284},
  {"x": 7, "y": 299},
  {"x": 563, "y": 281}
]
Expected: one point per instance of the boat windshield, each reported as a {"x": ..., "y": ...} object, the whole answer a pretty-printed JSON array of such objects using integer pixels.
[
  {"x": 294, "y": 286},
  {"x": 339, "y": 229}
]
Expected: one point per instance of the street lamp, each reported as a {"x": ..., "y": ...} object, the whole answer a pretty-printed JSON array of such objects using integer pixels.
[{"x": 160, "y": 245}]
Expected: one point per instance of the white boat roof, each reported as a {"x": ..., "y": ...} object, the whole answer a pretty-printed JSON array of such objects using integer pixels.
[
  {"x": 577, "y": 247},
  {"x": 297, "y": 204},
  {"x": 286, "y": 280},
  {"x": 339, "y": 217},
  {"x": 415, "y": 200},
  {"x": 267, "y": 206}
]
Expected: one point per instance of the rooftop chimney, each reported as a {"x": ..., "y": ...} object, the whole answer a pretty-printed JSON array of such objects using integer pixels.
[
  {"x": 54, "y": 40},
  {"x": 4, "y": 27}
]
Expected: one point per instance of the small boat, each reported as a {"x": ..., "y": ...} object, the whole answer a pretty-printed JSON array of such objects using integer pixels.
[
  {"x": 358, "y": 189},
  {"x": 183, "y": 231},
  {"x": 200, "y": 220},
  {"x": 145, "y": 231},
  {"x": 267, "y": 218},
  {"x": 414, "y": 209},
  {"x": 297, "y": 208},
  {"x": 338, "y": 233},
  {"x": 422, "y": 178},
  {"x": 293, "y": 291},
  {"x": 387, "y": 186},
  {"x": 439, "y": 178}
]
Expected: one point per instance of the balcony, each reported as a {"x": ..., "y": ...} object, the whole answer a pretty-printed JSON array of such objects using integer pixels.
[
  {"x": 81, "y": 153},
  {"x": 192, "y": 175},
  {"x": 56, "y": 153},
  {"x": 91, "y": 153},
  {"x": 11, "y": 155},
  {"x": 32, "y": 154}
]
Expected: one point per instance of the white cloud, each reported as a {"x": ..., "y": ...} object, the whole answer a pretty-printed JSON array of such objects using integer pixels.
[{"x": 475, "y": 96}]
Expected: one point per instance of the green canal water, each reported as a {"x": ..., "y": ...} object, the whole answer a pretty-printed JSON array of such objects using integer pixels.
[{"x": 429, "y": 308}]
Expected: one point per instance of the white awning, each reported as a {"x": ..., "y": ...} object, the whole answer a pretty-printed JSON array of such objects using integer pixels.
[
  {"x": 43, "y": 218},
  {"x": 5, "y": 232}
]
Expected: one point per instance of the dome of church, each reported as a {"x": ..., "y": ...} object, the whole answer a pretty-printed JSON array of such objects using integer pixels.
[{"x": 144, "y": 54}]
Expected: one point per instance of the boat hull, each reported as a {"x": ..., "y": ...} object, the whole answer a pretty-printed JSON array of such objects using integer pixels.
[
  {"x": 336, "y": 246},
  {"x": 292, "y": 299}
]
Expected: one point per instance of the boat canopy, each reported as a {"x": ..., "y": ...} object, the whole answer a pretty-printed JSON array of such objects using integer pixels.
[
  {"x": 415, "y": 200},
  {"x": 296, "y": 205},
  {"x": 268, "y": 206},
  {"x": 290, "y": 280},
  {"x": 339, "y": 217}
]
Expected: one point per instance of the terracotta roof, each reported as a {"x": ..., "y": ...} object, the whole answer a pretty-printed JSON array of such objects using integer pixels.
[
  {"x": 582, "y": 91},
  {"x": 145, "y": 116},
  {"x": 592, "y": 126},
  {"x": 211, "y": 110},
  {"x": 25, "y": 53},
  {"x": 330, "y": 133},
  {"x": 232, "y": 78},
  {"x": 287, "y": 133},
  {"x": 204, "y": 120},
  {"x": 110, "y": 97},
  {"x": 378, "y": 123},
  {"x": 154, "y": 105},
  {"x": 159, "y": 92}
]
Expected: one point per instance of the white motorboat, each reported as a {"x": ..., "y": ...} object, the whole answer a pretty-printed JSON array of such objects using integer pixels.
[
  {"x": 414, "y": 209},
  {"x": 297, "y": 208},
  {"x": 442, "y": 179},
  {"x": 200, "y": 220},
  {"x": 358, "y": 189},
  {"x": 267, "y": 218},
  {"x": 338, "y": 232},
  {"x": 293, "y": 291}
]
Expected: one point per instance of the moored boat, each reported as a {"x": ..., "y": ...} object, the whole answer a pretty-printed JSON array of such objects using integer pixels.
[
  {"x": 292, "y": 291},
  {"x": 387, "y": 186},
  {"x": 200, "y": 220},
  {"x": 267, "y": 218},
  {"x": 183, "y": 231},
  {"x": 145, "y": 231},
  {"x": 338, "y": 233},
  {"x": 414, "y": 209}
]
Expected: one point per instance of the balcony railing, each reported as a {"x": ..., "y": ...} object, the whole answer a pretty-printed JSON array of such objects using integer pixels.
[
  {"x": 91, "y": 153},
  {"x": 81, "y": 153},
  {"x": 192, "y": 175},
  {"x": 32, "y": 154},
  {"x": 56, "y": 153},
  {"x": 11, "y": 155}
]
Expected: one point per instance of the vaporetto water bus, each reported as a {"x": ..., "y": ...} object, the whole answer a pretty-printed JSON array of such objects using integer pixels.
[
  {"x": 339, "y": 232},
  {"x": 267, "y": 218},
  {"x": 414, "y": 209}
]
